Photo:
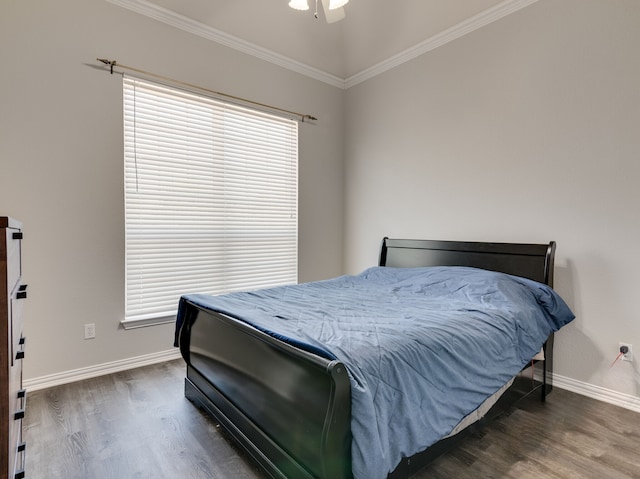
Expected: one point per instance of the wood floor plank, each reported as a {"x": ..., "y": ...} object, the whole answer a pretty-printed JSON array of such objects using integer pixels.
[
  {"x": 138, "y": 424},
  {"x": 564, "y": 438},
  {"x": 134, "y": 424}
]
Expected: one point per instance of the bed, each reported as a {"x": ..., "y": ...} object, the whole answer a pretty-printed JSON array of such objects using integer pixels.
[{"x": 301, "y": 403}]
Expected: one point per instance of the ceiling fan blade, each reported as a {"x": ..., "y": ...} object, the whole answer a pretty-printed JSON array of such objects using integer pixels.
[{"x": 332, "y": 16}]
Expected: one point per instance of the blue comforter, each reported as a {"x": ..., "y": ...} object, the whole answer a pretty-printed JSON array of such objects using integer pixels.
[{"x": 424, "y": 347}]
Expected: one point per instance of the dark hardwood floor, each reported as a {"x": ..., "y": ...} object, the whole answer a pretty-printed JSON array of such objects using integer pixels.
[{"x": 137, "y": 424}]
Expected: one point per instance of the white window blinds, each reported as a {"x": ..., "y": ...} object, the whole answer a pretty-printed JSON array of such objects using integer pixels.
[{"x": 210, "y": 198}]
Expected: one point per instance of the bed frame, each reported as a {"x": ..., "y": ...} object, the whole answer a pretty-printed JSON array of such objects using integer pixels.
[{"x": 290, "y": 409}]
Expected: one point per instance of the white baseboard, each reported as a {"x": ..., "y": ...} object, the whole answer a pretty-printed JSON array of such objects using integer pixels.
[
  {"x": 65, "y": 377},
  {"x": 610, "y": 396}
]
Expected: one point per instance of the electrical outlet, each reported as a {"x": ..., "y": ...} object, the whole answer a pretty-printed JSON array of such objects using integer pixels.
[
  {"x": 89, "y": 331},
  {"x": 628, "y": 356}
]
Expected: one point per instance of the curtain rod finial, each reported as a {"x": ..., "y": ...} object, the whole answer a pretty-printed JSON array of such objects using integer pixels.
[{"x": 107, "y": 62}]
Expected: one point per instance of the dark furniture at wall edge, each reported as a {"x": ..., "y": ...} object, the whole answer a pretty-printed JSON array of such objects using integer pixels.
[{"x": 13, "y": 398}]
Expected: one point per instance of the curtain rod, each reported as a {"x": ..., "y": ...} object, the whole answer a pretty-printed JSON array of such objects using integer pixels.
[{"x": 112, "y": 64}]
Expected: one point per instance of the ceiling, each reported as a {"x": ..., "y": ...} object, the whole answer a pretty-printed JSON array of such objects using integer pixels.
[{"x": 373, "y": 33}]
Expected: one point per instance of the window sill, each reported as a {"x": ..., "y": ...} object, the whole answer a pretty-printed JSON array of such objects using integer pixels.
[{"x": 143, "y": 323}]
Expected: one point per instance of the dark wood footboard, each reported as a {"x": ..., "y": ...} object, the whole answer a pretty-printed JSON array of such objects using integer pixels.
[{"x": 289, "y": 409}]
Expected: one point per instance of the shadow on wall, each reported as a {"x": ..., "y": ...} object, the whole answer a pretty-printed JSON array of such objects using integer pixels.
[
  {"x": 578, "y": 351},
  {"x": 578, "y": 354},
  {"x": 565, "y": 283}
]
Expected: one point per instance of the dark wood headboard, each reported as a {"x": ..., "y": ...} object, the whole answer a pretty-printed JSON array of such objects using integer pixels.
[{"x": 533, "y": 261}]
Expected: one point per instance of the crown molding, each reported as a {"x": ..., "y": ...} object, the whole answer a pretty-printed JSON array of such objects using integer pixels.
[
  {"x": 189, "y": 25},
  {"x": 463, "y": 28}
]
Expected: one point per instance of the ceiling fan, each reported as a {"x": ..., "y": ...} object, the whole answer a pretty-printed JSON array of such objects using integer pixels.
[{"x": 333, "y": 9}]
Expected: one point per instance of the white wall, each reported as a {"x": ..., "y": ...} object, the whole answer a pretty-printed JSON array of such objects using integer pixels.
[
  {"x": 525, "y": 130},
  {"x": 61, "y": 167}
]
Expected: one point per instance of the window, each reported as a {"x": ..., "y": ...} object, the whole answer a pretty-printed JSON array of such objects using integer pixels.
[{"x": 210, "y": 198}]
